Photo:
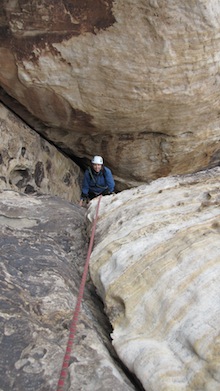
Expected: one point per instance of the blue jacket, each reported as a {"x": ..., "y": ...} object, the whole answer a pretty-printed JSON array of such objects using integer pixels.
[{"x": 92, "y": 182}]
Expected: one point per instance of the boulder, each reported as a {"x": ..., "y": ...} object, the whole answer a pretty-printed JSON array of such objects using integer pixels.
[
  {"x": 134, "y": 81},
  {"x": 156, "y": 266}
]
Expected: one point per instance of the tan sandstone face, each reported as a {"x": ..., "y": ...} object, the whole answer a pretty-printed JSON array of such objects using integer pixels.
[
  {"x": 136, "y": 82},
  {"x": 156, "y": 266}
]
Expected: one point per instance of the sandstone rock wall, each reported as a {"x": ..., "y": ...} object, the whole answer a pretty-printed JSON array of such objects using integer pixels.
[
  {"x": 42, "y": 257},
  {"x": 133, "y": 80},
  {"x": 156, "y": 265},
  {"x": 30, "y": 164}
]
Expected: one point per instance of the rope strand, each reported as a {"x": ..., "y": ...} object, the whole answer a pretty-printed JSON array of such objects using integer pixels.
[{"x": 66, "y": 360}]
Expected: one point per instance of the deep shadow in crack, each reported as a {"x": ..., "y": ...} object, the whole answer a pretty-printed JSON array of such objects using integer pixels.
[{"x": 103, "y": 321}]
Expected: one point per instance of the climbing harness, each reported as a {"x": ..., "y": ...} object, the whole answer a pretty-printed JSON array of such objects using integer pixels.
[
  {"x": 66, "y": 360},
  {"x": 94, "y": 180}
]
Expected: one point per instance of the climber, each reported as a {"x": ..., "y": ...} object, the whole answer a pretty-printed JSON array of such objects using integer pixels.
[{"x": 97, "y": 180}]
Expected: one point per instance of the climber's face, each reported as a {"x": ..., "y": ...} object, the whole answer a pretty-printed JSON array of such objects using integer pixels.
[{"x": 97, "y": 167}]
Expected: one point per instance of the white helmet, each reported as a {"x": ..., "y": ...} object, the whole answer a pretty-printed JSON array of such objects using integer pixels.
[{"x": 97, "y": 160}]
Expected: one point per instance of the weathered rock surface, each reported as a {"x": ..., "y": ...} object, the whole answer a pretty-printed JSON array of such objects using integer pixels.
[
  {"x": 43, "y": 251},
  {"x": 135, "y": 81},
  {"x": 30, "y": 164},
  {"x": 156, "y": 265}
]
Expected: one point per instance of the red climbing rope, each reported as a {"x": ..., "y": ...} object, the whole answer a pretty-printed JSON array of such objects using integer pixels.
[{"x": 66, "y": 360}]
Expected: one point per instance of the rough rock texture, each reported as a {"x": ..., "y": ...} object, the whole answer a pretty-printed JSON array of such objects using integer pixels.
[
  {"x": 156, "y": 265},
  {"x": 30, "y": 164},
  {"x": 135, "y": 79},
  {"x": 42, "y": 256}
]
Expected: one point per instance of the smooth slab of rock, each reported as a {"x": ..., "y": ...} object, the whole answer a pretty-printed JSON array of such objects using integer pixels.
[
  {"x": 43, "y": 251},
  {"x": 135, "y": 81},
  {"x": 156, "y": 265},
  {"x": 29, "y": 163}
]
